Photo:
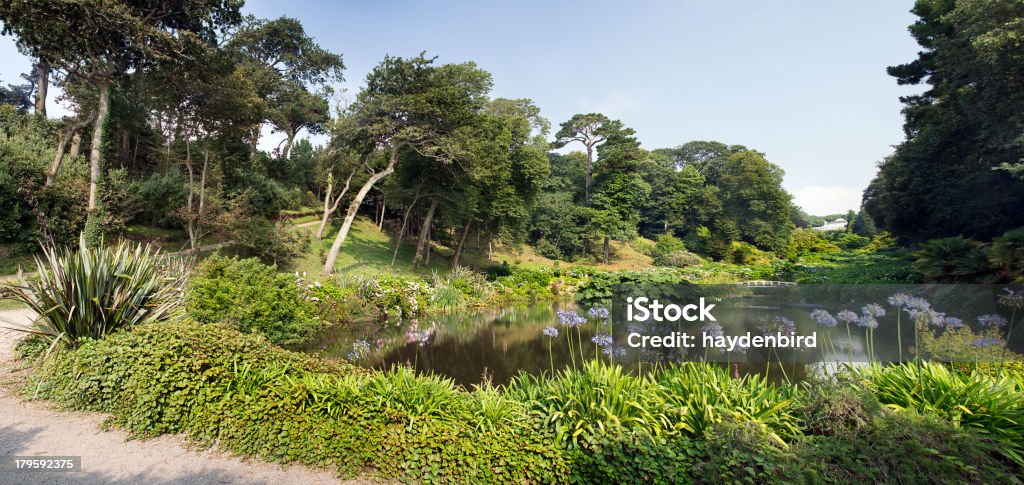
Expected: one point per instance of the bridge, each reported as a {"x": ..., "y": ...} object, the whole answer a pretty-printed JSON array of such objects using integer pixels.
[{"x": 766, "y": 284}]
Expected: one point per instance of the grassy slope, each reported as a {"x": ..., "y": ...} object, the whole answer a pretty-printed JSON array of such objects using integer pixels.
[{"x": 367, "y": 251}]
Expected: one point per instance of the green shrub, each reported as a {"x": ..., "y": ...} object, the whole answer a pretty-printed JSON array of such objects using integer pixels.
[
  {"x": 271, "y": 242},
  {"x": 253, "y": 298},
  {"x": 992, "y": 406},
  {"x": 851, "y": 438},
  {"x": 953, "y": 259},
  {"x": 598, "y": 400},
  {"x": 1007, "y": 255},
  {"x": 706, "y": 395},
  {"x": 237, "y": 391},
  {"x": 92, "y": 292}
]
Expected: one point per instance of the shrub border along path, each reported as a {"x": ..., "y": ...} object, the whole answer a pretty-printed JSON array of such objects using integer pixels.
[{"x": 38, "y": 429}]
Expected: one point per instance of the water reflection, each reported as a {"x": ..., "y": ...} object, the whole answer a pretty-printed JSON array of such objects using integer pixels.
[{"x": 495, "y": 345}]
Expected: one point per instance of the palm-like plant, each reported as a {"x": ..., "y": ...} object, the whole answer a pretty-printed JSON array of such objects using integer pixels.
[
  {"x": 952, "y": 259},
  {"x": 91, "y": 292},
  {"x": 1007, "y": 253}
]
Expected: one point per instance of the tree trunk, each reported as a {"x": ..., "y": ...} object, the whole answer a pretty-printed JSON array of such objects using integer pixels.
[
  {"x": 353, "y": 208},
  {"x": 587, "y": 174},
  {"x": 329, "y": 208},
  {"x": 606, "y": 250},
  {"x": 288, "y": 146},
  {"x": 405, "y": 222},
  {"x": 424, "y": 233},
  {"x": 71, "y": 133},
  {"x": 76, "y": 145},
  {"x": 462, "y": 242},
  {"x": 97, "y": 145},
  {"x": 426, "y": 261},
  {"x": 383, "y": 205},
  {"x": 191, "y": 195},
  {"x": 42, "y": 86}
]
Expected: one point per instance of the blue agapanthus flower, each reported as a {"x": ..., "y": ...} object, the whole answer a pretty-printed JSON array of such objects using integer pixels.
[
  {"x": 571, "y": 318},
  {"x": 824, "y": 318},
  {"x": 985, "y": 342},
  {"x": 550, "y": 332},
  {"x": 602, "y": 339},
  {"x": 873, "y": 310},
  {"x": 899, "y": 300},
  {"x": 713, "y": 329},
  {"x": 992, "y": 321},
  {"x": 867, "y": 321},
  {"x": 600, "y": 312},
  {"x": 847, "y": 316},
  {"x": 776, "y": 325},
  {"x": 614, "y": 351},
  {"x": 954, "y": 322}
]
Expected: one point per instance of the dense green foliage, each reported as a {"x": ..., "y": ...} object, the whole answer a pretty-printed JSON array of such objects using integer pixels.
[
  {"x": 958, "y": 172},
  {"x": 690, "y": 424},
  {"x": 91, "y": 292},
  {"x": 252, "y": 298}
]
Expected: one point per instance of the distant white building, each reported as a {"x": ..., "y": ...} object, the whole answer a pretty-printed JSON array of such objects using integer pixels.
[{"x": 836, "y": 225}]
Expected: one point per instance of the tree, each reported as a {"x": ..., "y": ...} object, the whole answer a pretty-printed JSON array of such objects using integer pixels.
[
  {"x": 98, "y": 41},
  {"x": 753, "y": 198},
  {"x": 409, "y": 105},
  {"x": 588, "y": 130},
  {"x": 17, "y": 96},
  {"x": 284, "y": 64},
  {"x": 949, "y": 177},
  {"x": 621, "y": 190}
]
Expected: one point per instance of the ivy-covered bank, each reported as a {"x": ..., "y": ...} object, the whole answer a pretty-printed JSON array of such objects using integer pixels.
[{"x": 688, "y": 424}]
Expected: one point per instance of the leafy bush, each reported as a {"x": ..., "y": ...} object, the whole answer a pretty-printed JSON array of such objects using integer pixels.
[
  {"x": 252, "y": 298},
  {"x": 1007, "y": 255},
  {"x": 92, "y": 292},
  {"x": 706, "y": 396},
  {"x": 235, "y": 390},
  {"x": 598, "y": 400},
  {"x": 169, "y": 189},
  {"x": 670, "y": 251},
  {"x": 271, "y": 242},
  {"x": 851, "y": 438},
  {"x": 952, "y": 259},
  {"x": 992, "y": 406}
]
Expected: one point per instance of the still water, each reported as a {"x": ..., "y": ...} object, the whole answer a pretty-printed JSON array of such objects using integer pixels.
[{"x": 497, "y": 344}]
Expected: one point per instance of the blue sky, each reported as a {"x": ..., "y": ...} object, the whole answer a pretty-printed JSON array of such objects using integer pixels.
[{"x": 801, "y": 80}]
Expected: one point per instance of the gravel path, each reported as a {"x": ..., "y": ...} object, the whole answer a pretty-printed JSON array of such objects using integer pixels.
[{"x": 36, "y": 429}]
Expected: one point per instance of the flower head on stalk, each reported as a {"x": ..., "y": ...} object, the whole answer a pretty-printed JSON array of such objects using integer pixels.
[
  {"x": 847, "y": 316},
  {"x": 953, "y": 322},
  {"x": 712, "y": 329},
  {"x": 1012, "y": 299},
  {"x": 602, "y": 339},
  {"x": 778, "y": 324},
  {"x": 550, "y": 332},
  {"x": 824, "y": 318},
  {"x": 899, "y": 300},
  {"x": 873, "y": 310},
  {"x": 571, "y": 318},
  {"x": 992, "y": 321},
  {"x": 614, "y": 351},
  {"x": 600, "y": 312},
  {"x": 636, "y": 328},
  {"x": 867, "y": 321},
  {"x": 986, "y": 342},
  {"x": 916, "y": 305}
]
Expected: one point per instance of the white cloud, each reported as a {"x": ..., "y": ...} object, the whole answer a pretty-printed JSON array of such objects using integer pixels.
[
  {"x": 614, "y": 104},
  {"x": 822, "y": 200}
]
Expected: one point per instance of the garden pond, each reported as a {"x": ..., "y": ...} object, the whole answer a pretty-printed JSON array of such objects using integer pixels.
[{"x": 494, "y": 345}]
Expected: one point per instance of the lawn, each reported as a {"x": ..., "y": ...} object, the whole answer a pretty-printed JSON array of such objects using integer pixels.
[{"x": 368, "y": 250}]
